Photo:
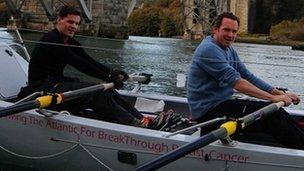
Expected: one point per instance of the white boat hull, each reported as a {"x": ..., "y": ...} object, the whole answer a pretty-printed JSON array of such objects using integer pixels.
[{"x": 66, "y": 142}]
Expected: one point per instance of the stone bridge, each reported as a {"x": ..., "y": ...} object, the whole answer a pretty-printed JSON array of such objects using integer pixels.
[
  {"x": 101, "y": 17},
  {"x": 199, "y": 15},
  {"x": 108, "y": 18}
]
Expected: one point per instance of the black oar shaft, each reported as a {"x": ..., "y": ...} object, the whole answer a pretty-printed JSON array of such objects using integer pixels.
[
  {"x": 227, "y": 128},
  {"x": 263, "y": 112},
  {"x": 182, "y": 151},
  {"x": 19, "y": 108},
  {"x": 47, "y": 100},
  {"x": 77, "y": 93}
]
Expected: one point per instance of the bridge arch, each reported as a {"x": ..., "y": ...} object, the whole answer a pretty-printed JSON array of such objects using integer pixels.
[{"x": 109, "y": 17}]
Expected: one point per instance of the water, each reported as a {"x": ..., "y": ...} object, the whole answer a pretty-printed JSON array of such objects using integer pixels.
[
  {"x": 165, "y": 58},
  {"x": 162, "y": 57}
]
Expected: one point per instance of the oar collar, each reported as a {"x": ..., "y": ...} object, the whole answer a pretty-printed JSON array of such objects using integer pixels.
[{"x": 49, "y": 100}]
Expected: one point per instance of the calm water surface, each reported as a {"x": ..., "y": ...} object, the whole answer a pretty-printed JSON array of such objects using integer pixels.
[{"x": 165, "y": 58}]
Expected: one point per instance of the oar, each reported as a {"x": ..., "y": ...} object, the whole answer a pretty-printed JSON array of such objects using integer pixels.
[
  {"x": 225, "y": 130},
  {"x": 142, "y": 78},
  {"x": 47, "y": 100},
  {"x": 212, "y": 121}
]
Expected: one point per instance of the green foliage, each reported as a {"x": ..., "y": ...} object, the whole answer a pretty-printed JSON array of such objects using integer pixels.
[
  {"x": 171, "y": 24},
  {"x": 148, "y": 3},
  {"x": 167, "y": 27},
  {"x": 298, "y": 33},
  {"x": 288, "y": 10},
  {"x": 145, "y": 22},
  {"x": 114, "y": 32},
  {"x": 163, "y": 3},
  {"x": 288, "y": 30},
  {"x": 157, "y": 18},
  {"x": 271, "y": 12},
  {"x": 164, "y": 18}
]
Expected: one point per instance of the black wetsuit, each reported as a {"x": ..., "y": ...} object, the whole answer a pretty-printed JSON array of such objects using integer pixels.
[
  {"x": 51, "y": 59},
  {"x": 46, "y": 67}
]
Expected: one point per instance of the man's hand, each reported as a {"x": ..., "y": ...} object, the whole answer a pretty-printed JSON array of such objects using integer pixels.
[
  {"x": 117, "y": 77},
  {"x": 122, "y": 75},
  {"x": 295, "y": 98},
  {"x": 285, "y": 98},
  {"x": 118, "y": 84}
]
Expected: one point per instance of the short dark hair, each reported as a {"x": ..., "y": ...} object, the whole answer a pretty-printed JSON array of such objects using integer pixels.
[
  {"x": 66, "y": 10},
  {"x": 218, "y": 20}
]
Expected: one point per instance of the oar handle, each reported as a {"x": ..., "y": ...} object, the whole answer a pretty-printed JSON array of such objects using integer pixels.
[
  {"x": 143, "y": 78},
  {"x": 138, "y": 78}
]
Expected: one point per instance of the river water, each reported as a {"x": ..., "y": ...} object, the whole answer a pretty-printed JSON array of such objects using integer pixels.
[{"x": 166, "y": 57}]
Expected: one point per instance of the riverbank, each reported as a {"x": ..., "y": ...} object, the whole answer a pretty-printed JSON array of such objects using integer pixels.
[{"x": 264, "y": 39}]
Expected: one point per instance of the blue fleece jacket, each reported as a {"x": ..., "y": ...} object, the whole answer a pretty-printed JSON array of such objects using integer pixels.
[{"x": 213, "y": 74}]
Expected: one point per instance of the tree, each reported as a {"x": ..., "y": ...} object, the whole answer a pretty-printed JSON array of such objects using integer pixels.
[
  {"x": 158, "y": 16},
  {"x": 163, "y": 3},
  {"x": 172, "y": 23},
  {"x": 145, "y": 21},
  {"x": 288, "y": 10},
  {"x": 168, "y": 27}
]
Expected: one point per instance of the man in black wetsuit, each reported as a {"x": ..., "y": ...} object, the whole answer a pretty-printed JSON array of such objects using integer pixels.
[{"x": 58, "y": 49}]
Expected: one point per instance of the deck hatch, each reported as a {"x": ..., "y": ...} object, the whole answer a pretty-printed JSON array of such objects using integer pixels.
[{"x": 127, "y": 157}]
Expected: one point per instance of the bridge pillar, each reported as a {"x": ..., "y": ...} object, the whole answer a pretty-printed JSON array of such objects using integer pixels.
[
  {"x": 199, "y": 15},
  {"x": 113, "y": 19},
  {"x": 244, "y": 10},
  {"x": 109, "y": 17}
]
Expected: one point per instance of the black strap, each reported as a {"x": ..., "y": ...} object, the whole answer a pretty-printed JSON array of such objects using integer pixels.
[{"x": 54, "y": 100}]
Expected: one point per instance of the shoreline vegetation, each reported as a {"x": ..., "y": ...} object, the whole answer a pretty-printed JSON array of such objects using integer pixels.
[
  {"x": 266, "y": 39},
  {"x": 281, "y": 26}
]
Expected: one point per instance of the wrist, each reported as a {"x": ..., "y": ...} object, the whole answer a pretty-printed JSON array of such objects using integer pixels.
[
  {"x": 272, "y": 91},
  {"x": 271, "y": 97},
  {"x": 275, "y": 91}
]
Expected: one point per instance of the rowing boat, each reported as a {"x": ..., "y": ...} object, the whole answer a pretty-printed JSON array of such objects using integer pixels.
[{"x": 62, "y": 141}]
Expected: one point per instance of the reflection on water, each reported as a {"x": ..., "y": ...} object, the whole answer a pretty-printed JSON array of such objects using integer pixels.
[
  {"x": 278, "y": 65},
  {"x": 165, "y": 58},
  {"x": 162, "y": 57}
]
